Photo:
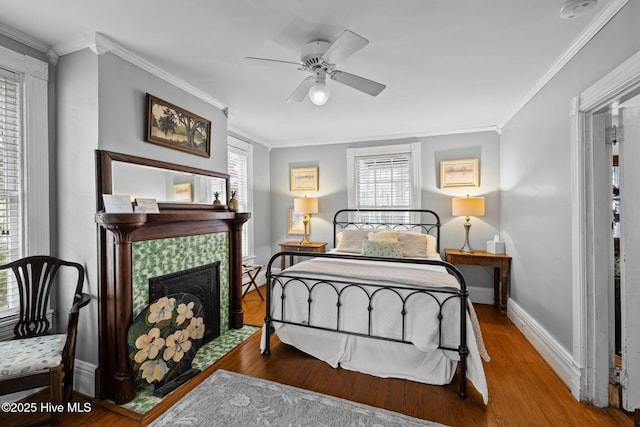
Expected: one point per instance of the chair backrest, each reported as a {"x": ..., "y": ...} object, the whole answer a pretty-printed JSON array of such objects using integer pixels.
[{"x": 35, "y": 276}]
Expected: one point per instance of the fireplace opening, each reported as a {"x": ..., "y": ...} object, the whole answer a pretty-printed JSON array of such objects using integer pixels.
[{"x": 204, "y": 283}]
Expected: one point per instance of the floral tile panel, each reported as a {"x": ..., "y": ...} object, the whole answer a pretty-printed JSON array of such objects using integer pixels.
[{"x": 207, "y": 355}]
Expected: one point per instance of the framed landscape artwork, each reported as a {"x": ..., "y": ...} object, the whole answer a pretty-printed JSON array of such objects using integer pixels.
[
  {"x": 459, "y": 173},
  {"x": 304, "y": 179},
  {"x": 174, "y": 127}
]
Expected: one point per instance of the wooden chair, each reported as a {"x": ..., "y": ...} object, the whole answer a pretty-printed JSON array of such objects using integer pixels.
[{"x": 54, "y": 363}]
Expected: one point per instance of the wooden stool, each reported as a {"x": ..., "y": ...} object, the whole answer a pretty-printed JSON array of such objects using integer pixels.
[{"x": 252, "y": 271}]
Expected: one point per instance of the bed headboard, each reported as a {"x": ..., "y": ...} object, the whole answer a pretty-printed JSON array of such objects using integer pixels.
[{"x": 421, "y": 220}]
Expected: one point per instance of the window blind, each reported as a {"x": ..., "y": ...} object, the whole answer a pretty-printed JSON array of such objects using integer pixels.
[
  {"x": 10, "y": 184},
  {"x": 237, "y": 169},
  {"x": 383, "y": 182}
]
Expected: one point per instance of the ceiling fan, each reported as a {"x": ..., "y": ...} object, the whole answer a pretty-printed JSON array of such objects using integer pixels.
[{"x": 321, "y": 59}]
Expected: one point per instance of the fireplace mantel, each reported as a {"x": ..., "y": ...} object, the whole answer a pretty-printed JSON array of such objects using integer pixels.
[{"x": 115, "y": 376}]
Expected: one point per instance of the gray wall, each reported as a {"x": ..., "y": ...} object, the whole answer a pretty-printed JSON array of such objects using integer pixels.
[
  {"x": 77, "y": 135},
  {"x": 261, "y": 204},
  {"x": 122, "y": 115},
  {"x": 536, "y": 178},
  {"x": 332, "y": 163}
]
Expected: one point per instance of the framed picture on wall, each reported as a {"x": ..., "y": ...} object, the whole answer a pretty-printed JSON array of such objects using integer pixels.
[
  {"x": 459, "y": 173},
  {"x": 177, "y": 128},
  {"x": 296, "y": 226},
  {"x": 304, "y": 179}
]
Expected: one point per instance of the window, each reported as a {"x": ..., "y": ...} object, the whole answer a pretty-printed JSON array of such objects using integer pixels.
[
  {"x": 240, "y": 165},
  {"x": 386, "y": 177},
  {"x": 10, "y": 185},
  {"x": 24, "y": 164}
]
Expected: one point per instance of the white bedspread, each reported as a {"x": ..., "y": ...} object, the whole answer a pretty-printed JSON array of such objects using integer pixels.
[{"x": 422, "y": 362}]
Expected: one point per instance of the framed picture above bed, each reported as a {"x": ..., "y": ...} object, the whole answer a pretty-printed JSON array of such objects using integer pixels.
[
  {"x": 304, "y": 179},
  {"x": 459, "y": 173}
]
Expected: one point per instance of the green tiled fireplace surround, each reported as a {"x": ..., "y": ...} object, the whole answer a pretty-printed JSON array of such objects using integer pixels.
[{"x": 152, "y": 258}]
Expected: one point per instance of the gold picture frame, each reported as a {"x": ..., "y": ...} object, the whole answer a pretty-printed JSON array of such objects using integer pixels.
[
  {"x": 459, "y": 173},
  {"x": 304, "y": 179},
  {"x": 296, "y": 226}
]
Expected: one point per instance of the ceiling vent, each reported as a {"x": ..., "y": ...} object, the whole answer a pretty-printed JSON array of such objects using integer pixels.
[{"x": 574, "y": 8}]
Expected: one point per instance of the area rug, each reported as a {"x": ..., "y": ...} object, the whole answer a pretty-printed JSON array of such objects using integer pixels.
[{"x": 229, "y": 399}]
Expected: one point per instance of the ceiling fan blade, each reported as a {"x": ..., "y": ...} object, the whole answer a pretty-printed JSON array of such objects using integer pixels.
[
  {"x": 252, "y": 58},
  {"x": 360, "y": 83},
  {"x": 346, "y": 45},
  {"x": 301, "y": 91}
]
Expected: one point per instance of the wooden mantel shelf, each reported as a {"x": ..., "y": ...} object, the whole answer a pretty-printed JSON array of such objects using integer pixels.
[
  {"x": 146, "y": 226},
  {"x": 165, "y": 216},
  {"x": 116, "y": 378}
]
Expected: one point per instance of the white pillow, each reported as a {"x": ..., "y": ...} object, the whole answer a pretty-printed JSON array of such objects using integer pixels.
[
  {"x": 383, "y": 236},
  {"x": 432, "y": 245},
  {"x": 350, "y": 240},
  {"x": 418, "y": 245}
]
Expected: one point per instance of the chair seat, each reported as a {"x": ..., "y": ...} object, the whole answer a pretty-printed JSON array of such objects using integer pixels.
[{"x": 30, "y": 354}]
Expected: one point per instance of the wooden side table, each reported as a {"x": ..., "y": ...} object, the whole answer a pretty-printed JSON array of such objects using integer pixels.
[
  {"x": 314, "y": 247},
  {"x": 501, "y": 264}
]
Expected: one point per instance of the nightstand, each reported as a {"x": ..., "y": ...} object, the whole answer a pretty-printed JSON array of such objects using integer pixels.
[
  {"x": 314, "y": 247},
  {"x": 501, "y": 264}
]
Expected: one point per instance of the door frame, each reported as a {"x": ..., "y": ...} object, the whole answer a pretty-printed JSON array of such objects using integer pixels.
[{"x": 591, "y": 326}]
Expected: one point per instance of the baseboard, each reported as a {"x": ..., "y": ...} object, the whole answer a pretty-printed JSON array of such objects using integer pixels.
[
  {"x": 479, "y": 295},
  {"x": 84, "y": 378},
  {"x": 551, "y": 351}
]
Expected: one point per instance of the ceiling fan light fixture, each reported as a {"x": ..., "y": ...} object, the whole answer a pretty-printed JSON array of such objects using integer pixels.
[{"x": 319, "y": 92}]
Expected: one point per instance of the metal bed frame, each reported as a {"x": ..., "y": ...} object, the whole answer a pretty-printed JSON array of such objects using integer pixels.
[{"x": 361, "y": 219}]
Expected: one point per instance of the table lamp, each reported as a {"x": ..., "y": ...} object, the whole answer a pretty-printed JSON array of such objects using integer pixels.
[
  {"x": 306, "y": 206},
  {"x": 467, "y": 206}
]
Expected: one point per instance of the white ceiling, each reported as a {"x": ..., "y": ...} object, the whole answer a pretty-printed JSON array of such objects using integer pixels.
[{"x": 449, "y": 66}]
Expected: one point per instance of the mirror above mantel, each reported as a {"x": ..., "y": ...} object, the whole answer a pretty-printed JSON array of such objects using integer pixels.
[{"x": 173, "y": 186}]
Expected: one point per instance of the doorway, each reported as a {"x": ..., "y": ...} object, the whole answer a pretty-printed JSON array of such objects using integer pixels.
[{"x": 594, "y": 336}]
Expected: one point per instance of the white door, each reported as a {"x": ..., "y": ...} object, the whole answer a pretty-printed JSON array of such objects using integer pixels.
[{"x": 630, "y": 255}]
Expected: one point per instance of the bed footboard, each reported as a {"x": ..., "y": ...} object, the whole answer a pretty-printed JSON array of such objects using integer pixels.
[{"x": 448, "y": 304}]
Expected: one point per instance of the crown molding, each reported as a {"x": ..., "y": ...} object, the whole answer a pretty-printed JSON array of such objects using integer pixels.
[
  {"x": 594, "y": 27},
  {"x": 23, "y": 38},
  {"x": 30, "y": 41},
  {"x": 387, "y": 137},
  {"x": 100, "y": 44}
]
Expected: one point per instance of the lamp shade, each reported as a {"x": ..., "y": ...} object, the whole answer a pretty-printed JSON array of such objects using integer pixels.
[
  {"x": 305, "y": 205},
  {"x": 467, "y": 206}
]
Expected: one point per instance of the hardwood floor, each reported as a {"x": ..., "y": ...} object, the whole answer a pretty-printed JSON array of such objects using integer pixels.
[{"x": 523, "y": 390}]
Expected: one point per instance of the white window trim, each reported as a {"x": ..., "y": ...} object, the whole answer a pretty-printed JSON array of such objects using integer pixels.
[
  {"x": 35, "y": 156},
  {"x": 242, "y": 147},
  {"x": 416, "y": 176}
]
